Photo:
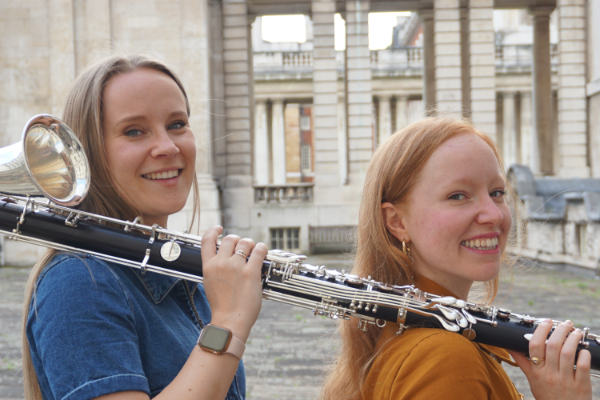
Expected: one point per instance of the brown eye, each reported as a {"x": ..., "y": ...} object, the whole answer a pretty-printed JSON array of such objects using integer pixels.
[{"x": 497, "y": 193}]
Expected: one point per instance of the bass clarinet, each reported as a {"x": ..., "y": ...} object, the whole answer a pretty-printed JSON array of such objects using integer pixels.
[{"x": 29, "y": 167}]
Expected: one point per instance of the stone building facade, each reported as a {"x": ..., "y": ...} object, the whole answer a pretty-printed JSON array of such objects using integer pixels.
[{"x": 542, "y": 111}]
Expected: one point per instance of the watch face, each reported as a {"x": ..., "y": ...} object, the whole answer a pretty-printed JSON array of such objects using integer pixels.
[{"x": 215, "y": 338}]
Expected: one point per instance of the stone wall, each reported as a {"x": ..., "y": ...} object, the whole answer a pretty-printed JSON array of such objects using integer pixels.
[{"x": 45, "y": 44}]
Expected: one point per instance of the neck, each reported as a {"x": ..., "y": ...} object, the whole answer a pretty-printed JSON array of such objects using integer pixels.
[
  {"x": 459, "y": 287},
  {"x": 160, "y": 221}
]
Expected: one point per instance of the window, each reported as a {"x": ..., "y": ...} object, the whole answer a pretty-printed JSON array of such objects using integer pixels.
[
  {"x": 305, "y": 158},
  {"x": 581, "y": 233},
  {"x": 305, "y": 122},
  {"x": 285, "y": 238}
]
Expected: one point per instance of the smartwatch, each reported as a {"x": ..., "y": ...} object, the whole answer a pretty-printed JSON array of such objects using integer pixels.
[{"x": 218, "y": 340}]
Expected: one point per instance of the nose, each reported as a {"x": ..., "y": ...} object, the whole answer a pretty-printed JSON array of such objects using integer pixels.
[
  {"x": 163, "y": 144},
  {"x": 489, "y": 212}
]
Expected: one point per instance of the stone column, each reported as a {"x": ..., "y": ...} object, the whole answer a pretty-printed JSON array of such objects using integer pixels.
[
  {"x": 238, "y": 79},
  {"x": 92, "y": 30},
  {"x": 358, "y": 88},
  {"x": 428, "y": 61},
  {"x": 401, "y": 112},
  {"x": 572, "y": 99},
  {"x": 278, "y": 143},
  {"x": 448, "y": 73},
  {"x": 261, "y": 144},
  {"x": 98, "y": 40},
  {"x": 342, "y": 140},
  {"x": 542, "y": 87},
  {"x": 509, "y": 136},
  {"x": 385, "y": 119},
  {"x": 465, "y": 55},
  {"x": 62, "y": 52},
  {"x": 195, "y": 73},
  {"x": 325, "y": 98},
  {"x": 528, "y": 146},
  {"x": 483, "y": 69}
]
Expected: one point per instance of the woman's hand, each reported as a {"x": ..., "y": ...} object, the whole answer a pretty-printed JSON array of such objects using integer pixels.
[
  {"x": 553, "y": 376},
  {"x": 232, "y": 283}
]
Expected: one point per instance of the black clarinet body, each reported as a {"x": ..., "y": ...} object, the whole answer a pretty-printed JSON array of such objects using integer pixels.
[{"x": 286, "y": 278}]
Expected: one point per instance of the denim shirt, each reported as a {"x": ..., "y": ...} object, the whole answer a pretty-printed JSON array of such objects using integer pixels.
[{"x": 96, "y": 328}]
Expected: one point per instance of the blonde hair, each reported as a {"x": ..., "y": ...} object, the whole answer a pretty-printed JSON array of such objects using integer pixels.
[
  {"x": 391, "y": 176},
  {"x": 84, "y": 114}
]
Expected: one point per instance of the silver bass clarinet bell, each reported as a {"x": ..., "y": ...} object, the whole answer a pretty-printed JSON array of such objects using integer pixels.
[{"x": 48, "y": 161}]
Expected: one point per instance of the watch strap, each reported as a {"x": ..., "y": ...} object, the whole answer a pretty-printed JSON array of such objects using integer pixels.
[{"x": 236, "y": 347}]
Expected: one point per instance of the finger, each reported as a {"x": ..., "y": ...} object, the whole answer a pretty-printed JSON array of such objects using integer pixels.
[
  {"x": 228, "y": 244},
  {"x": 244, "y": 246},
  {"x": 522, "y": 362},
  {"x": 555, "y": 344},
  {"x": 256, "y": 259},
  {"x": 567, "y": 353},
  {"x": 537, "y": 344},
  {"x": 582, "y": 374},
  {"x": 209, "y": 243}
]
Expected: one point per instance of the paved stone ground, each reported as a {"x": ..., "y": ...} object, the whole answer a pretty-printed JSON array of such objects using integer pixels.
[{"x": 289, "y": 347}]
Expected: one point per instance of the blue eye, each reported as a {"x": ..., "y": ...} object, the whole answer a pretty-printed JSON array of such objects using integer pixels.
[
  {"x": 133, "y": 132},
  {"x": 457, "y": 196},
  {"x": 497, "y": 193},
  {"x": 177, "y": 125}
]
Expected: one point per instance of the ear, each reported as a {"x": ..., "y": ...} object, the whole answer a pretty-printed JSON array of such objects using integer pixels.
[{"x": 393, "y": 220}]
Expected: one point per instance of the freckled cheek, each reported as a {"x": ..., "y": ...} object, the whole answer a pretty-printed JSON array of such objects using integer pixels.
[{"x": 437, "y": 229}]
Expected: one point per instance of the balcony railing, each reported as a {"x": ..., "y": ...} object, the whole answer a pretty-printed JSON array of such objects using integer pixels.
[
  {"x": 508, "y": 57},
  {"x": 520, "y": 56},
  {"x": 286, "y": 193}
]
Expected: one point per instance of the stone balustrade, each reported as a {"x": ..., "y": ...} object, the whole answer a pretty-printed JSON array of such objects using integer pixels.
[
  {"x": 513, "y": 58},
  {"x": 518, "y": 57},
  {"x": 284, "y": 193}
]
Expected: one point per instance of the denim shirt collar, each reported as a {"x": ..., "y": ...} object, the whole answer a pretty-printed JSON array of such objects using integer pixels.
[{"x": 157, "y": 285}]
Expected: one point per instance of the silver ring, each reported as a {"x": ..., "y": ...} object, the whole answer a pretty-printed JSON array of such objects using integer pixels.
[
  {"x": 536, "y": 360},
  {"x": 241, "y": 253}
]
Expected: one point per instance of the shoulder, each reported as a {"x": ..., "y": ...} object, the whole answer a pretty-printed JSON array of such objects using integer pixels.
[
  {"x": 423, "y": 363},
  {"x": 69, "y": 269},
  {"x": 433, "y": 351},
  {"x": 69, "y": 278},
  {"x": 439, "y": 349},
  {"x": 417, "y": 340}
]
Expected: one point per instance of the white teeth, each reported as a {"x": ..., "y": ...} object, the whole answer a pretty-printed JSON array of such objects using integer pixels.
[
  {"x": 162, "y": 175},
  {"x": 483, "y": 244}
]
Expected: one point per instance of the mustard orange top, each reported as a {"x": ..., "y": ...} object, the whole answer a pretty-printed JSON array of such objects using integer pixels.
[{"x": 429, "y": 364}]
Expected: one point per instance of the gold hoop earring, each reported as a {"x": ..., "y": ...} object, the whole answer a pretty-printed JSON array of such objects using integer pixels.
[{"x": 406, "y": 250}]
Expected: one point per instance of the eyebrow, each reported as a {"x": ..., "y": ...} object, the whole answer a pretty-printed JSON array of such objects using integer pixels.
[
  {"x": 133, "y": 118},
  {"x": 466, "y": 180}
]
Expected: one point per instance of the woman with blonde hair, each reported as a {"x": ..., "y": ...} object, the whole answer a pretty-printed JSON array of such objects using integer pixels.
[
  {"x": 435, "y": 213},
  {"x": 97, "y": 330}
]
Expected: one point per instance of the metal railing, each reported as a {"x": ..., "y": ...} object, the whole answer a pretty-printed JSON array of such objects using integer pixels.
[
  {"x": 285, "y": 193},
  {"x": 327, "y": 239}
]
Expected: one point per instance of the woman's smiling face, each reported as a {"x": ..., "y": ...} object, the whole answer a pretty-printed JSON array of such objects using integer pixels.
[
  {"x": 457, "y": 217},
  {"x": 149, "y": 145}
]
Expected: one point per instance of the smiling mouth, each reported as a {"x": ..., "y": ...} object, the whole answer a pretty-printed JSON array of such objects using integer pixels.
[
  {"x": 481, "y": 244},
  {"x": 162, "y": 175}
]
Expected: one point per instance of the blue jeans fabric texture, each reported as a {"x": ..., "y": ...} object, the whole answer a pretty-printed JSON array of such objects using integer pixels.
[{"x": 96, "y": 328}]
